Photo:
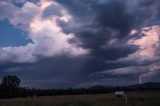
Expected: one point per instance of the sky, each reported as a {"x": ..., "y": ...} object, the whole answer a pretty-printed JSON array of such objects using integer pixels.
[{"x": 80, "y": 43}]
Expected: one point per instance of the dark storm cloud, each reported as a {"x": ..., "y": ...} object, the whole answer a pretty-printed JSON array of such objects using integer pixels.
[
  {"x": 110, "y": 14},
  {"x": 114, "y": 16},
  {"x": 146, "y": 12},
  {"x": 99, "y": 22},
  {"x": 61, "y": 71},
  {"x": 103, "y": 26},
  {"x": 57, "y": 72}
]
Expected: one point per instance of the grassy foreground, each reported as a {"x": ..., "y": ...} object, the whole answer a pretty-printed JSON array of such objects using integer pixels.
[{"x": 134, "y": 99}]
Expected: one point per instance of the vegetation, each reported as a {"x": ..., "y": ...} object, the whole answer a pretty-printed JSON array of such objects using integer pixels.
[
  {"x": 10, "y": 82},
  {"x": 10, "y": 88},
  {"x": 138, "y": 95},
  {"x": 134, "y": 99}
]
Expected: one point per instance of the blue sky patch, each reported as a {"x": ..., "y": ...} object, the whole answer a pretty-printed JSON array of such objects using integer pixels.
[{"x": 12, "y": 36}]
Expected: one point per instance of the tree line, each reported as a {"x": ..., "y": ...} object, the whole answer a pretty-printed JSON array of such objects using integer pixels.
[{"x": 10, "y": 88}]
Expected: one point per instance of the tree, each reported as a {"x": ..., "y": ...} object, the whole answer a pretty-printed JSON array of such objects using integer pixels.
[
  {"x": 11, "y": 82},
  {"x": 10, "y": 87}
]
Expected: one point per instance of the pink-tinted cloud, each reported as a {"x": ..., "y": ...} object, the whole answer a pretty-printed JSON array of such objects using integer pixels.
[
  {"x": 148, "y": 44},
  {"x": 47, "y": 37}
]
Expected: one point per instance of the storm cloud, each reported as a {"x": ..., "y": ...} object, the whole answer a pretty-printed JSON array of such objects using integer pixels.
[{"x": 78, "y": 43}]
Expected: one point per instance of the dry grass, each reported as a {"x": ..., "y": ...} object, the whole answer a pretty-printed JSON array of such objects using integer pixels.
[{"x": 134, "y": 99}]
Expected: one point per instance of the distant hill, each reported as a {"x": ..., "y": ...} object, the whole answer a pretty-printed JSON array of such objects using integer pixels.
[
  {"x": 148, "y": 85},
  {"x": 145, "y": 86}
]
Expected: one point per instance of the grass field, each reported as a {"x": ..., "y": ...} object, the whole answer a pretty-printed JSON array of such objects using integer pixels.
[{"x": 134, "y": 99}]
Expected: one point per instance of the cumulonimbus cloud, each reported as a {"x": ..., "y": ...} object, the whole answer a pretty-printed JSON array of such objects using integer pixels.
[{"x": 47, "y": 37}]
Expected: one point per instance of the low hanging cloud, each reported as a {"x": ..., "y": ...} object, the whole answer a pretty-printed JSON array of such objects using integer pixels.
[{"x": 47, "y": 37}]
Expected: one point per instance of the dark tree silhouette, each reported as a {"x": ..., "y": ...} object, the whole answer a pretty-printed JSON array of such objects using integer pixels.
[
  {"x": 11, "y": 82},
  {"x": 10, "y": 87}
]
